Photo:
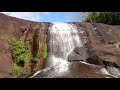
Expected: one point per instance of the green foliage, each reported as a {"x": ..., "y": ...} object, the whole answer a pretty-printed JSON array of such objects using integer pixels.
[
  {"x": 35, "y": 60},
  {"x": 17, "y": 70},
  {"x": 112, "y": 18},
  {"x": 44, "y": 50},
  {"x": 20, "y": 50}
]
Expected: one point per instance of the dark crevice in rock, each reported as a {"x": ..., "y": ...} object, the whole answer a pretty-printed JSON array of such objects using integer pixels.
[
  {"x": 35, "y": 46},
  {"x": 97, "y": 61},
  {"x": 75, "y": 60}
]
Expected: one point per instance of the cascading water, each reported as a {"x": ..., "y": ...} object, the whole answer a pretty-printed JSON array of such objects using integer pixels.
[
  {"x": 63, "y": 38},
  {"x": 114, "y": 71}
]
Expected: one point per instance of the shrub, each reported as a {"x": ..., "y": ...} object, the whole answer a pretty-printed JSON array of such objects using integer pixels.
[
  {"x": 20, "y": 51},
  {"x": 17, "y": 70},
  {"x": 44, "y": 50}
]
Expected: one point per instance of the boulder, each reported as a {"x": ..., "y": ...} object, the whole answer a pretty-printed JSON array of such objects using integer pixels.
[{"x": 78, "y": 54}]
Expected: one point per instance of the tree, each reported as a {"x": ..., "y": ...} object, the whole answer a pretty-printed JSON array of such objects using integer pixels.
[{"x": 111, "y": 18}]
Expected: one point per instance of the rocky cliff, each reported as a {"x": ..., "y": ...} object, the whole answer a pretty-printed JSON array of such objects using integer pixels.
[
  {"x": 102, "y": 44},
  {"x": 101, "y": 41},
  {"x": 25, "y": 30}
]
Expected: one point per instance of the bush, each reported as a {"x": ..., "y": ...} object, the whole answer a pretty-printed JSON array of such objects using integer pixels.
[
  {"x": 17, "y": 70},
  {"x": 44, "y": 50},
  {"x": 20, "y": 51}
]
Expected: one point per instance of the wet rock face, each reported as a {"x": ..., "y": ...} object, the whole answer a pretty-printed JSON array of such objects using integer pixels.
[
  {"x": 76, "y": 70},
  {"x": 104, "y": 54},
  {"x": 78, "y": 54},
  {"x": 85, "y": 70},
  {"x": 101, "y": 62},
  {"x": 93, "y": 60}
]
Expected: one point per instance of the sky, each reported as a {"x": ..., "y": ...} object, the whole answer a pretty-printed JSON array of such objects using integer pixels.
[{"x": 48, "y": 16}]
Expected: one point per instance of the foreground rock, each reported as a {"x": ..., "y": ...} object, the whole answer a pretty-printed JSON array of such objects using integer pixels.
[
  {"x": 76, "y": 70},
  {"x": 78, "y": 54}
]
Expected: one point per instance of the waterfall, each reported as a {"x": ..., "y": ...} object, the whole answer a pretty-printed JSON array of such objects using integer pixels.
[{"x": 63, "y": 39}]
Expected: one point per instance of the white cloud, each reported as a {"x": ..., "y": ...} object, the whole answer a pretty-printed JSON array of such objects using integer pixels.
[
  {"x": 45, "y": 13},
  {"x": 34, "y": 16}
]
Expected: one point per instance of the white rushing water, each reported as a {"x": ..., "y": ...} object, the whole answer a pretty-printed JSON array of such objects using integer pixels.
[
  {"x": 63, "y": 39},
  {"x": 114, "y": 71}
]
